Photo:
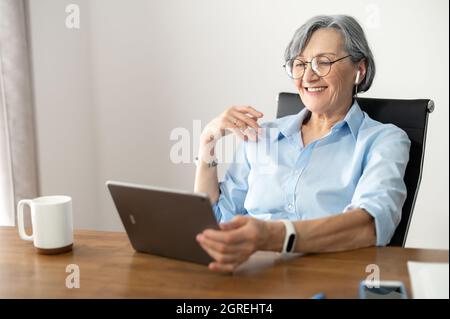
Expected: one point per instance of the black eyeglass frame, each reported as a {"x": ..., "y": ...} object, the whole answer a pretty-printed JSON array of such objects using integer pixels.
[{"x": 306, "y": 62}]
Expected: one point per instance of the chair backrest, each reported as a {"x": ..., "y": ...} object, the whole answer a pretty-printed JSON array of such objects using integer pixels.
[{"x": 409, "y": 115}]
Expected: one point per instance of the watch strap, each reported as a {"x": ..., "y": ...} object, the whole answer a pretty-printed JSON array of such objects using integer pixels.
[{"x": 290, "y": 236}]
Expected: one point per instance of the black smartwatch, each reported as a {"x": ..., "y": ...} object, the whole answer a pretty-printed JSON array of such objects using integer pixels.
[{"x": 289, "y": 238}]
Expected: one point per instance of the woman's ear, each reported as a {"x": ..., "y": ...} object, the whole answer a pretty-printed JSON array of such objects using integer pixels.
[
  {"x": 357, "y": 77},
  {"x": 361, "y": 71}
]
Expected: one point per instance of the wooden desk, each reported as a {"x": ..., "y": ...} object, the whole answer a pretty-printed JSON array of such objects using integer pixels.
[{"x": 110, "y": 268}]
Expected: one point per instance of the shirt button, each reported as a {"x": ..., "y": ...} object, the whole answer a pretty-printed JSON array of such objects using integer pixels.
[
  {"x": 295, "y": 172},
  {"x": 290, "y": 206}
]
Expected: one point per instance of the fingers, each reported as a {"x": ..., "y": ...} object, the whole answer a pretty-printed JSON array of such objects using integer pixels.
[
  {"x": 222, "y": 267},
  {"x": 240, "y": 126},
  {"x": 228, "y": 237},
  {"x": 247, "y": 121},
  {"x": 217, "y": 256},
  {"x": 221, "y": 247},
  {"x": 231, "y": 125},
  {"x": 227, "y": 258},
  {"x": 240, "y": 121},
  {"x": 250, "y": 110},
  {"x": 231, "y": 245},
  {"x": 236, "y": 222}
]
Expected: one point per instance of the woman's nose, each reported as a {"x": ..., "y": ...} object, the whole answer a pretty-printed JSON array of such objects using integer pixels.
[{"x": 309, "y": 75}]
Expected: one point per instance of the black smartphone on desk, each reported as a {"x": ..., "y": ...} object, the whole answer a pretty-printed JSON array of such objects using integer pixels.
[{"x": 382, "y": 289}]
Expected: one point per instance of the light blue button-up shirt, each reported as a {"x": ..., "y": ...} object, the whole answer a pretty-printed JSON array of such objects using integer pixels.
[{"x": 360, "y": 163}]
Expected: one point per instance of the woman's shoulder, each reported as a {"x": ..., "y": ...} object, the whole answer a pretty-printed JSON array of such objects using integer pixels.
[{"x": 375, "y": 130}]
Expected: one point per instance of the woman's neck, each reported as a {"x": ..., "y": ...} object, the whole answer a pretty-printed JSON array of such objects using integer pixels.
[{"x": 322, "y": 123}]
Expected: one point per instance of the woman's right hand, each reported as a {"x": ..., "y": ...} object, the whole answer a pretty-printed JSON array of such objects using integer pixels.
[{"x": 241, "y": 120}]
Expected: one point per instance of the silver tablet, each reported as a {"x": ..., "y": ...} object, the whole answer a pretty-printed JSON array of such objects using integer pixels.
[{"x": 162, "y": 221}]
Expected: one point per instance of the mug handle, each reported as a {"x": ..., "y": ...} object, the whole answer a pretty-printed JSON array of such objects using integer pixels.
[{"x": 20, "y": 222}]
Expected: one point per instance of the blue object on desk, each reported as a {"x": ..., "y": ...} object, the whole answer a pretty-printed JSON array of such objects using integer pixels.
[{"x": 319, "y": 296}]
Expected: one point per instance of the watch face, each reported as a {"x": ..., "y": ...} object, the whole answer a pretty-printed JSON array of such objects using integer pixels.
[{"x": 290, "y": 244}]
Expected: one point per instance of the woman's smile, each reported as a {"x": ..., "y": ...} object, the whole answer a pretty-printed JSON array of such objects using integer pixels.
[{"x": 315, "y": 90}]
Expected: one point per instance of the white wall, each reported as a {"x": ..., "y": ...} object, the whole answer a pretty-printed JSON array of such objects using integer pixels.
[
  {"x": 65, "y": 116},
  {"x": 109, "y": 94}
]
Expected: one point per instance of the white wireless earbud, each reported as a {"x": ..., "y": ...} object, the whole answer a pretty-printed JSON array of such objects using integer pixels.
[{"x": 357, "y": 77}]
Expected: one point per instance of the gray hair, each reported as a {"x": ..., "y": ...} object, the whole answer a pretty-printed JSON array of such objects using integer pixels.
[{"x": 355, "y": 42}]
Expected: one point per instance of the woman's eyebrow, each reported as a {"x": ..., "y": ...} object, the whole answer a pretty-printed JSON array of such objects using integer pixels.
[{"x": 321, "y": 53}]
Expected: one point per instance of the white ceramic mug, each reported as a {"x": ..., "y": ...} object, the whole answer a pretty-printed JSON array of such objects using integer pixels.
[{"x": 51, "y": 220}]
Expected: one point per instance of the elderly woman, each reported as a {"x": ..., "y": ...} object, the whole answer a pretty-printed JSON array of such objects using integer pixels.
[{"x": 333, "y": 179}]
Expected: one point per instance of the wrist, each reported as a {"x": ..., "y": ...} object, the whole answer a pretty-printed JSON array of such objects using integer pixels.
[
  {"x": 207, "y": 140},
  {"x": 290, "y": 237},
  {"x": 206, "y": 149},
  {"x": 277, "y": 232},
  {"x": 206, "y": 158},
  {"x": 206, "y": 161}
]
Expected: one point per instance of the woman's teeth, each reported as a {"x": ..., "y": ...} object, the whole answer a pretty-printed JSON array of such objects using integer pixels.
[{"x": 317, "y": 89}]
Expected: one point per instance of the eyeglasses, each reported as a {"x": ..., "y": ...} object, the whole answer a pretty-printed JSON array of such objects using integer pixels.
[{"x": 321, "y": 66}]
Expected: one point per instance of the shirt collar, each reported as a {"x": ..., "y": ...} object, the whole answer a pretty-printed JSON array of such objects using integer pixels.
[{"x": 291, "y": 125}]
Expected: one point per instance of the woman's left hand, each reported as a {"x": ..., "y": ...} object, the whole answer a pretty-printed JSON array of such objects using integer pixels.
[{"x": 234, "y": 242}]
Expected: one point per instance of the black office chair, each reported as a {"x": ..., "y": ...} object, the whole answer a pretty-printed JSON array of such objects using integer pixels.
[{"x": 409, "y": 115}]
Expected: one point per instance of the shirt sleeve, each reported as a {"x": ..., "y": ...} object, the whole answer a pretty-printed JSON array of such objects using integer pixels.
[
  {"x": 381, "y": 190},
  {"x": 233, "y": 189}
]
